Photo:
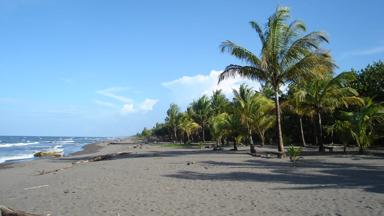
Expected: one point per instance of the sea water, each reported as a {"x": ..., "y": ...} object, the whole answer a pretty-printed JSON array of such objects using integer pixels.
[{"x": 14, "y": 148}]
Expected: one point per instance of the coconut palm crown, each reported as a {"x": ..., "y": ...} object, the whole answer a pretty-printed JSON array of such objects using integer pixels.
[{"x": 286, "y": 55}]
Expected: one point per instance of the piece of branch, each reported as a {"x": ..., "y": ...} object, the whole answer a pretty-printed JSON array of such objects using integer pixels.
[
  {"x": 36, "y": 187},
  {"x": 11, "y": 212}
]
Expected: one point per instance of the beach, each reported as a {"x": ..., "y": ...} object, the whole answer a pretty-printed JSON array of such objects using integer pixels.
[{"x": 154, "y": 180}]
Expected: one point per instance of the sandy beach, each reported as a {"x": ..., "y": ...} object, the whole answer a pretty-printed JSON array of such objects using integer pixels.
[{"x": 154, "y": 180}]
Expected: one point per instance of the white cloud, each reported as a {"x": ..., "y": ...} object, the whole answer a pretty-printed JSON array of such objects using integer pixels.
[
  {"x": 148, "y": 104},
  {"x": 187, "y": 88},
  {"x": 113, "y": 93},
  {"x": 145, "y": 106},
  {"x": 124, "y": 104},
  {"x": 128, "y": 108},
  {"x": 366, "y": 52},
  {"x": 105, "y": 103}
]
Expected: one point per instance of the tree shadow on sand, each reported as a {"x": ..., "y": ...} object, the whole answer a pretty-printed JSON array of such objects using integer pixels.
[{"x": 327, "y": 175}]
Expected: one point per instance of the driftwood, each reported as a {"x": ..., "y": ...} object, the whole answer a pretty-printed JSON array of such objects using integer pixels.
[
  {"x": 11, "y": 212},
  {"x": 93, "y": 159},
  {"x": 104, "y": 157},
  {"x": 36, "y": 187}
]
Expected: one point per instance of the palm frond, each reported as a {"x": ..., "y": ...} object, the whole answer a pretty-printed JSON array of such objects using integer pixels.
[
  {"x": 259, "y": 31},
  {"x": 312, "y": 65},
  {"x": 300, "y": 48},
  {"x": 249, "y": 72},
  {"x": 240, "y": 52}
]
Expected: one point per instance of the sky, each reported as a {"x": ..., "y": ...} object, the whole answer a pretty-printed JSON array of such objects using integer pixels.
[{"x": 110, "y": 68}]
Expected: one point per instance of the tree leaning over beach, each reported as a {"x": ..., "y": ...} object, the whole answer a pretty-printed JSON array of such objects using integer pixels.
[{"x": 285, "y": 56}]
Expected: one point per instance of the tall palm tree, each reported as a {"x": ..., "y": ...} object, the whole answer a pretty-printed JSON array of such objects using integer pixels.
[
  {"x": 262, "y": 117},
  {"x": 327, "y": 94},
  {"x": 243, "y": 102},
  {"x": 200, "y": 111},
  {"x": 366, "y": 123},
  {"x": 172, "y": 119},
  {"x": 285, "y": 56}
]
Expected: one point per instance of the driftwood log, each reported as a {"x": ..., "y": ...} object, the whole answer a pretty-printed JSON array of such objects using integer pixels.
[
  {"x": 104, "y": 157},
  {"x": 11, "y": 212}
]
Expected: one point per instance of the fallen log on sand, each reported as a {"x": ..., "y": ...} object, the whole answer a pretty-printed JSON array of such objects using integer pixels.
[
  {"x": 11, "y": 212},
  {"x": 104, "y": 157},
  {"x": 93, "y": 159}
]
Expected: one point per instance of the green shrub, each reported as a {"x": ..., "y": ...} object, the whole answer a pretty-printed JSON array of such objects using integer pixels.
[{"x": 294, "y": 153}]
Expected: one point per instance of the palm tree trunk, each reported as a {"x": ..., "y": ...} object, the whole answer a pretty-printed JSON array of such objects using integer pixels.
[
  {"x": 251, "y": 144},
  {"x": 302, "y": 132},
  {"x": 202, "y": 127},
  {"x": 175, "y": 133},
  {"x": 262, "y": 137},
  {"x": 279, "y": 131},
  {"x": 321, "y": 144},
  {"x": 187, "y": 137}
]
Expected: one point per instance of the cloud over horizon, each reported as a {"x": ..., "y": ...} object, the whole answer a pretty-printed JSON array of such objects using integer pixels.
[
  {"x": 124, "y": 104},
  {"x": 365, "y": 52},
  {"x": 187, "y": 88}
]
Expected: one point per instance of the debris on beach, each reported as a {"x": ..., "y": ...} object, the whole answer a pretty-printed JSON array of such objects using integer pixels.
[
  {"x": 190, "y": 163},
  {"x": 48, "y": 154},
  {"x": 103, "y": 157},
  {"x": 11, "y": 212},
  {"x": 36, "y": 187}
]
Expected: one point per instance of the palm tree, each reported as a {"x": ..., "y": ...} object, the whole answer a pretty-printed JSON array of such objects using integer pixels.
[
  {"x": 262, "y": 117},
  {"x": 366, "y": 123},
  {"x": 219, "y": 102},
  {"x": 295, "y": 104},
  {"x": 243, "y": 102},
  {"x": 285, "y": 56},
  {"x": 172, "y": 120},
  {"x": 218, "y": 125},
  {"x": 342, "y": 129},
  {"x": 235, "y": 129},
  {"x": 187, "y": 125},
  {"x": 326, "y": 95},
  {"x": 200, "y": 111}
]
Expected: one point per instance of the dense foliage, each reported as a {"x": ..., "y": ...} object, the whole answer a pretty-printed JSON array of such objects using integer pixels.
[{"x": 347, "y": 106}]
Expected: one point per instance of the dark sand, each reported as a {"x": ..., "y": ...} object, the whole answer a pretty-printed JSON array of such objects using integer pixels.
[{"x": 154, "y": 180}]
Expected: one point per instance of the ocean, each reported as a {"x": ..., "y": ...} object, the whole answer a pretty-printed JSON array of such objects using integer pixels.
[{"x": 15, "y": 148}]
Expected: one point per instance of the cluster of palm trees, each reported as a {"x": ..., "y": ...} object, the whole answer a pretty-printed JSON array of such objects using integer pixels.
[
  {"x": 288, "y": 57},
  {"x": 249, "y": 113}
]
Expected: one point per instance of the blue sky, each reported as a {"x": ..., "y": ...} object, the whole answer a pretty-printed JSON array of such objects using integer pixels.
[{"x": 109, "y": 68}]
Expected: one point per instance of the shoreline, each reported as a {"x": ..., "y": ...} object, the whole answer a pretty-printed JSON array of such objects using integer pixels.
[{"x": 88, "y": 149}]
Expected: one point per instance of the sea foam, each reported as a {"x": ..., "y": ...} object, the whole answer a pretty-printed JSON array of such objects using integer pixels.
[
  {"x": 7, "y": 145},
  {"x": 16, "y": 157}
]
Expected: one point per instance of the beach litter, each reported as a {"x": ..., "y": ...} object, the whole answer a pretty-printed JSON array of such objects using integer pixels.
[{"x": 36, "y": 187}]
